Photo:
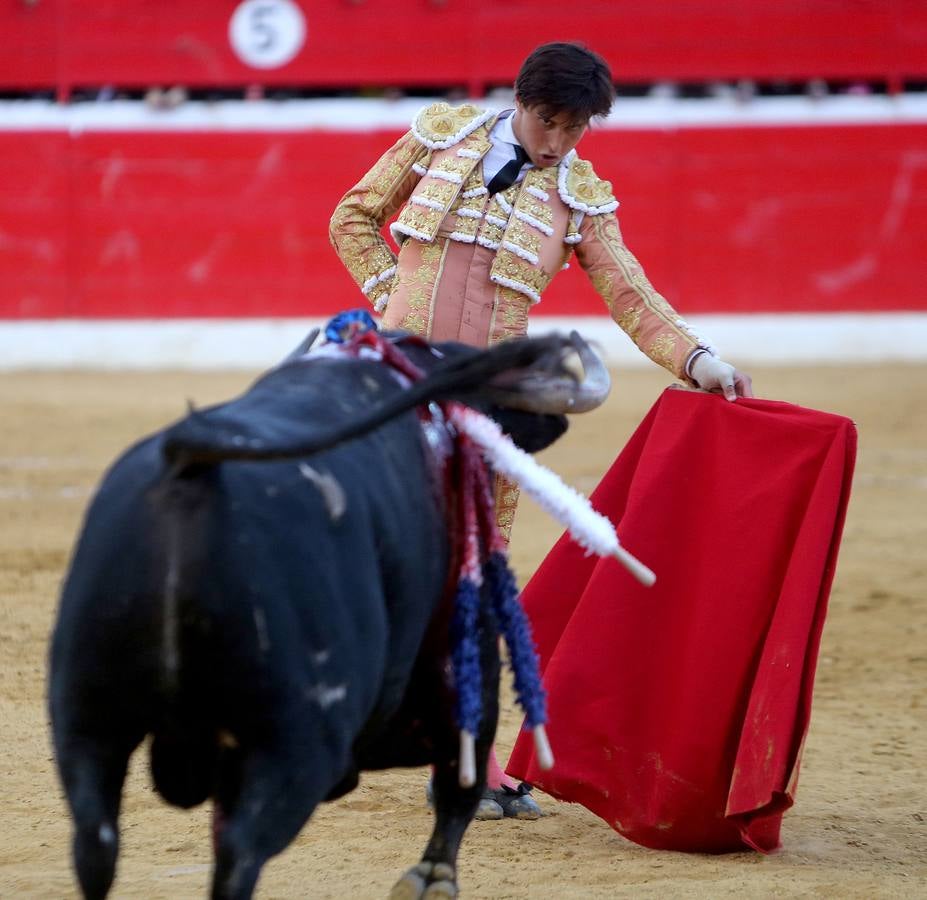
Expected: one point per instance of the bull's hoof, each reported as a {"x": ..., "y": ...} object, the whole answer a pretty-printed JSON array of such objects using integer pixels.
[{"x": 426, "y": 881}]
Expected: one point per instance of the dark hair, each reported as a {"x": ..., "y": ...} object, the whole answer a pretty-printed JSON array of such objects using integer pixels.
[{"x": 566, "y": 78}]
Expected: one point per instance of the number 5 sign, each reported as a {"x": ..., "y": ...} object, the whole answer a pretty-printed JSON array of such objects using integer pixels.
[{"x": 266, "y": 34}]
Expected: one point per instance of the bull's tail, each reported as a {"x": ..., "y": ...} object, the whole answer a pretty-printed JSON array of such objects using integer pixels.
[{"x": 206, "y": 437}]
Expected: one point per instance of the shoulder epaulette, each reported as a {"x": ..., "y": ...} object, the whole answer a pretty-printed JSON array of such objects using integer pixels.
[
  {"x": 441, "y": 125},
  {"x": 581, "y": 189}
]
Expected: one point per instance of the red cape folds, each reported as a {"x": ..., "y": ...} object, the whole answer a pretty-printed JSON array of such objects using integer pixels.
[{"x": 678, "y": 713}]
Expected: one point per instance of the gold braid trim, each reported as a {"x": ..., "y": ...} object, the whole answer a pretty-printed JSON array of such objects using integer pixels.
[
  {"x": 581, "y": 189},
  {"x": 662, "y": 350},
  {"x": 441, "y": 125},
  {"x": 355, "y": 225}
]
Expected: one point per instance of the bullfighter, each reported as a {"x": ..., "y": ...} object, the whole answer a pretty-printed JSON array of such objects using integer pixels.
[{"x": 491, "y": 205}]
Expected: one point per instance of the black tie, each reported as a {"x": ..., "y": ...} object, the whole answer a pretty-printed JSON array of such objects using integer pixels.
[{"x": 506, "y": 176}]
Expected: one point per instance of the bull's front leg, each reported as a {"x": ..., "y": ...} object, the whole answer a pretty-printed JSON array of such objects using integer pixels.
[{"x": 435, "y": 877}]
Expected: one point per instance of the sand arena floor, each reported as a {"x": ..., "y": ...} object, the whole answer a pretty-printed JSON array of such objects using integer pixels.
[{"x": 858, "y": 828}]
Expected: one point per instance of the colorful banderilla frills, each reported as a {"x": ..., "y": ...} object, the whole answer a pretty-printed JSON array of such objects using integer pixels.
[{"x": 480, "y": 444}]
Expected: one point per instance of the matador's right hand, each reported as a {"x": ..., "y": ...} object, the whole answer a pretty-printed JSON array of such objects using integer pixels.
[{"x": 713, "y": 374}]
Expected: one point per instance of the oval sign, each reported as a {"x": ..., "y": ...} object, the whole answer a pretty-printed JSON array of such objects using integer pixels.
[{"x": 267, "y": 34}]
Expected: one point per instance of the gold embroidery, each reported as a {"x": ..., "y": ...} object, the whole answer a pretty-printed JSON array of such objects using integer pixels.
[
  {"x": 514, "y": 313},
  {"x": 421, "y": 284},
  {"x": 424, "y": 274},
  {"x": 543, "y": 179},
  {"x": 414, "y": 322},
  {"x": 423, "y": 220},
  {"x": 474, "y": 181},
  {"x": 472, "y": 204},
  {"x": 536, "y": 209},
  {"x": 513, "y": 268},
  {"x": 630, "y": 321},
  {"x": 466, "y": 225},
  {"x": 355, "y": 225},
  {"x": 605, "y": 228},
  {"x": 460, "y": 166},
  {"x": 490, "y": 232},
  {"x": 497, "y": 209},
  {"x": 506, "y": 499},
  {"x": 663, "y": 350},
  {"x": 440, "y": 121},
  {"x": 523, "y": 236},
  {"x": 432, "y": 253},
  {"x": 602, "y": 281},
  {"x": 636, "y": 307},
  {"x": 442, "y": 192},
  {"x": 437, "y": 256},
  {"x": 584, "y": 185}
]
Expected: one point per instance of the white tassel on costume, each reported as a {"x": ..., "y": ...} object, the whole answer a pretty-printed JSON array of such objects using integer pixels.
[
  {"x": 427, "y": 202},
  {"x": 589, "y": 529},
  {"x": 529, "y": 292}
]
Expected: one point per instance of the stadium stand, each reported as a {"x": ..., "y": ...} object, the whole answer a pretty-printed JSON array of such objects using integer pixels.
[{"x": 751, "y": 175}]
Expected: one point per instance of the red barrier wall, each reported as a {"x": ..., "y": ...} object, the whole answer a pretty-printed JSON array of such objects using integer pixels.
[
  {"x": 134, "y": 43},
  {"x": 763, "y": 219}
]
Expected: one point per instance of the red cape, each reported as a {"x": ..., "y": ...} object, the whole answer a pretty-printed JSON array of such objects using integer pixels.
[{"x": 678, "y": 713}]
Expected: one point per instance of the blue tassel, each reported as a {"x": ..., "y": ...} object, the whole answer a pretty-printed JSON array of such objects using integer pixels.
[
  {"x": 465, "y": 655},
  {"x": 345, "y": 325},
  {"x": 516, "y": 629}
]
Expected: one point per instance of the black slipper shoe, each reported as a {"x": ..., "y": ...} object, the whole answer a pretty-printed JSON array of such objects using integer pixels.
[{"x": 516, "y": 803}]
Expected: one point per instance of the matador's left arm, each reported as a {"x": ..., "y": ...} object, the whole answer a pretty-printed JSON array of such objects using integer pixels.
[{"x": 647, "y": 318}]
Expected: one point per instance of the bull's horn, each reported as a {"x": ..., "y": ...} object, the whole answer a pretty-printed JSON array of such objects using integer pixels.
[
  {"x": 594, "y": 388},
  {"x": 563, "y": 393},
  {"x": 303, "y": 347}
]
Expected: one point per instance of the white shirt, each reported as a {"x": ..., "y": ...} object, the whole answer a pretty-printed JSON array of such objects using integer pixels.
[{"x": 503, "y": 140}]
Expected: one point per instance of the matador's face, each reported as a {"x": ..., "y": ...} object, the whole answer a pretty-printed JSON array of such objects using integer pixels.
[{"x": 547, "y": 136}]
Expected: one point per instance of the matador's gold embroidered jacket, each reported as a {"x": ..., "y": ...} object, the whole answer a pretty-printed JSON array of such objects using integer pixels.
[{"x": 470, "y": 266}]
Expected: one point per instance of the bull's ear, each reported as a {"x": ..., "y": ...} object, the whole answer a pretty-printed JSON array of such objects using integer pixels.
[{"x": 528, "y": 430}]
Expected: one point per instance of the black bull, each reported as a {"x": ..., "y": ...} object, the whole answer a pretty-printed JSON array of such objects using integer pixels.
[{"x": 269, "y": 602}]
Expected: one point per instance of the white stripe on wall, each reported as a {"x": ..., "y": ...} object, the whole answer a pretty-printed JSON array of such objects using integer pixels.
[
  {"x": 258, "y": 343},
  {"x": 362, "y": 114}
]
